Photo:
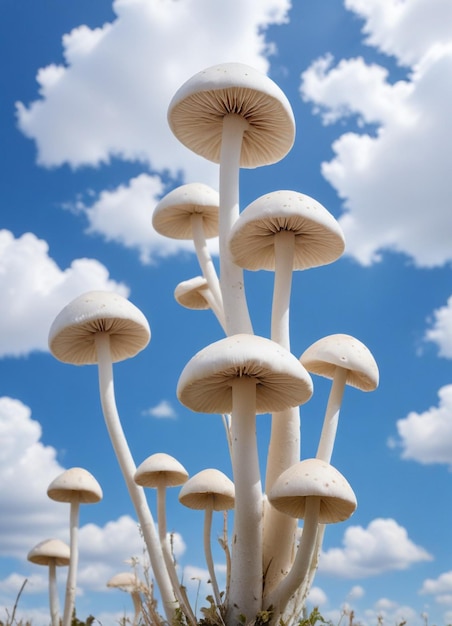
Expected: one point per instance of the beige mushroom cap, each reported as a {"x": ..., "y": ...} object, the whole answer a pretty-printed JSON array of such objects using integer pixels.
[
  {"x": 313, "y": 477},
  {"x": 75, "y": 485},
  {"x": 126, "y": 581},
  {"x": 72, "y": 334},
  {"x": 158, "y": 469},
  {"x": 188, "y": 293},
  {"x": 318, "y": 237},
  {"x": 172, "y": 215},
  {"x": 196, "y": 113},
  {"x": 208, "y": 488},
  {"x": 328, "y": 353},
  {"x": 50, "y": 551},
  {"x": 205, "y": 384}
]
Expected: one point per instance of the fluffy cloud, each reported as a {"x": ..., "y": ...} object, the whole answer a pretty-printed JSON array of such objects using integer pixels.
[
  {"x": 163, "y": 410},
  {"x": 392, "y": 176},
  {"x": 381, "y": 547},
  {"x": 427, "y": 437},
  {"x": 37, "y": 289},
  {"x": 440, "y": 587},
  {"x": 440, "y": 331}
]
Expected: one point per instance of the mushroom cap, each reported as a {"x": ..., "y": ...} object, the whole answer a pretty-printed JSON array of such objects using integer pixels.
[
  {"x": 75, "y": 485},
  {"x": 127, "y": 581},
  {"x": 158, "y": 469},
  {"x": 72, "y": 334},
  {"x": 339, "y": 350},
  {"x": 172, "y": 215},
  {"x": 313, "y": 477},
  {"x": 50, "y": 551},
  {"x": 189, "y": 293},
  {"x": 318, "y": 237},
  {"x": 208, "y": 488},
  {"x": 205, "y": 384},
  {"x": 196, "y": 113}
]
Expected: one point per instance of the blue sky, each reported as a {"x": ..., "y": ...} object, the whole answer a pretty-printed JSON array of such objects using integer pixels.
[{"x": 86, "y": 155}]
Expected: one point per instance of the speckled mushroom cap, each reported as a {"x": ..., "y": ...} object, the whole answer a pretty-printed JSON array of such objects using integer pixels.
[
  {"x": 50, "y": 551},
  {"x": 196, "y": 113},
  {"x": 205, "y": 384},
  {"x": 318, "y": 237},
  {"x": 339, "y": 350},
  {"x": 158, "y": 469},
  {"x": 188, "y": 293},
  {"x": 172, "y": 215},
  {"x": 72, "y": 334},
  {"x": 313, "y": 477},
  {"x": 208, "y": 488},
  {"x": 75, "y": 485},
  {"x": 126, "y": 581}
]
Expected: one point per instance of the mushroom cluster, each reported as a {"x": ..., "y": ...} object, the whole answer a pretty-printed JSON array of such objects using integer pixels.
[{"x": 238, "y": 118}]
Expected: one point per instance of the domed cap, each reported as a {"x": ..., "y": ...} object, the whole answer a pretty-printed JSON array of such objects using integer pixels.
[
  {"x": 328, "y": 353},
  {"x": 126, "y": 581},
  {"x": 50, "y": 551},
  {"x": 172, "y": 215},
  {"x": 313, "y": 477},
  {"x": 75, "y": 485},
  {"x": 189, "y": 293},
  {"x": 72, "y": 334},
  {"x": 205, "y": 384},
  {"x": 197, "y": 110},
  {"x": 209, "y": 488},
  {"x": 318, "y": 237},
  {"x": 160, "y": 469}
]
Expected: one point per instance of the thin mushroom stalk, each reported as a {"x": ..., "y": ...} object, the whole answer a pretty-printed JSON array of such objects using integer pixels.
[
  {"x": 127, "y": 464},
  {"x": 71, "y": 581},
  {"x": 53, "y": 595},
  {"x": 208, "y": 514},
  {"x": 331, "y": 419},
  {"x": 206, "y": 262}
]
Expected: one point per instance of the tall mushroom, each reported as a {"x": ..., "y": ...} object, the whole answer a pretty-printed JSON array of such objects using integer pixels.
[
  {"x": 128, "y": 582},
  {"x": 52, "y": 553},
  {"x": 101, "y": 327},
  {"x": 75, "y": 486},
  {"x": 244, "y": 375},
  {"x": 209, "y": 490},
  {"x": 283, "y": 231},
  {"x": 233, "y": 115}
]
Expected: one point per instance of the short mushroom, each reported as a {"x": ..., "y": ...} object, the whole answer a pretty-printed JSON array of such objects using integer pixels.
[
  {"x": 127, "y": 581},
  {"x": 195, "y": 293},
  {"x": 52, "y": 553},
  {"x": 101, "y": 327},
  {"x": 75, "y": 486},
  {"x": 244, "y": 375},
  {"x": 318, "y": 493},
  {"x": 209, "y": 490},
  {"x": 238, "y": 117}
]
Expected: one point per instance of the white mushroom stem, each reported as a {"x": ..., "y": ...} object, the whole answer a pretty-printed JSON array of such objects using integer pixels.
[
  {"x": 208, "y": 514},
  {"x": 71, "y": 581},
  {"x": 135, "y": 595},
  {"x": 331, "y": 419},
  {"x": 128, "y": 469},
  {"x": 231, "y": 275},
  {"x": 284, "y": 448},
  {"x": 53, "y": 594},
  {"x": 205, "y": 260},
  {"x": 213, "y": 304},
  {"x": 280, "y": 596},
  {"x": 245, "y": 595}
]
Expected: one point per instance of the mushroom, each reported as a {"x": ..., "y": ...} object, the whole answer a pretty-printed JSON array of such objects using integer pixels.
[
  {"x": 209, "y": 490},
  {"x": 75, "y": 486},
  {"x": 195, "y": 293},
  {"x": 160, "y": 471},
  {"x": 103, "y": 327},
  {"x": 127, "y": 581},
  {"x": 191, "y": 212},
  {"x": 233, "y": 115},
  {"x": 244, "y": 375},
  {"x": 53, "y": 553},
  {"x": 318, "y": 493}
]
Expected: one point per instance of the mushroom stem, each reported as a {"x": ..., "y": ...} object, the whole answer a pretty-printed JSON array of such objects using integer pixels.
[
  {"x": 136, "y": 599},
  {"x": 71, "y": 581},
  {"x": 246, "y": 559},
  {"x": 331, "y": 419},
  {"x": 231, "y": 275},
  {"x": 280, "y": 596},
  {"x": 127, "y": 465},
  {"x": 208, "y": 514},
  {"x": 53, "y": 594},
  {"x": 205, "y": 261},
  {"x": 284, "y": 244},
  {"x": 213, "y": 304}
]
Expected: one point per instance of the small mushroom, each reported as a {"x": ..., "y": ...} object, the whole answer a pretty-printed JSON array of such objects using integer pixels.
[
  {"x": 195, "y": 293},
  {"x": 127, "y": 581},
  {"x": 53, "y": 553},
  {"x": 209, "y": 490},
  {"x": 75, "y": 486}
]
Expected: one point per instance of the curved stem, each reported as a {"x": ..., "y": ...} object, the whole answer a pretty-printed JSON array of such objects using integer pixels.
[
  {"x": 136, "y": 607},
  {"x": 331, "y": 419},
  {"x": 231, "y": 275},
  {"x": 205, "y": 259},
  {"x": 128, "y": 469},
  {"x": 217, "y": 311},
  {"x": 208, "y": 552},
  {"x": 53, "y": 594},
  {"x": 71, "y": 581}
]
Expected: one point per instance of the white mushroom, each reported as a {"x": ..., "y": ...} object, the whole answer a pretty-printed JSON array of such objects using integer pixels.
[
  {"x": 127, "y": 581},
  {"x": 195, "y": 293},
  {"x": 75, "y": 486}
]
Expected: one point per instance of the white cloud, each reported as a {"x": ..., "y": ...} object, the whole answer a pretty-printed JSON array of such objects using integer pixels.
[
  {"x": 440, "y": 331},
  {"x": 317, "y": 597},
  {"x": 440, "y": 587},
  {"x": 163, "y": 410},
  {"x": 427, "y": 437},
  {"x": 381, "y": 547},
  {"x": 37, "y": 289},
  {"x": 393, "y": 180}
]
